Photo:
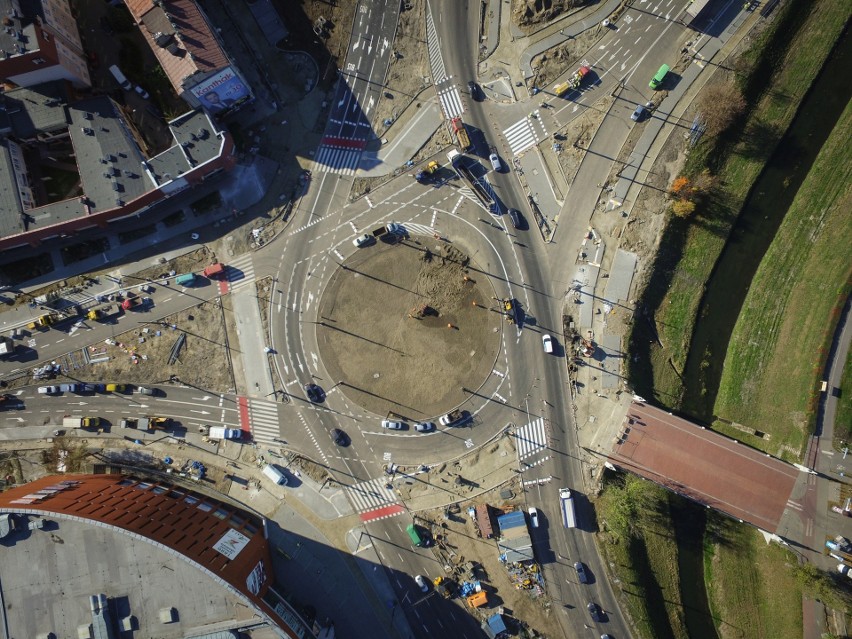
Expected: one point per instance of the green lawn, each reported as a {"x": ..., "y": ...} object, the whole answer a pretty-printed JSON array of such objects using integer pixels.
[
  {"x": 777, "y": 352},
  {"x": 638, "y": 544},
  {"x": 843, "y": 418},
  {"x": 737, "y": 164},
  {"x": 752, "y": 589}
]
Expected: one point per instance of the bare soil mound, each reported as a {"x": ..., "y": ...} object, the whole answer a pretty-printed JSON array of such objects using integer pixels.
[{"x": 400, "y": 333}]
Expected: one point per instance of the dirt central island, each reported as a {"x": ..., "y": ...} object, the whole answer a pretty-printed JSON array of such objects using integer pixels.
[{"x": 403, "y": 325}]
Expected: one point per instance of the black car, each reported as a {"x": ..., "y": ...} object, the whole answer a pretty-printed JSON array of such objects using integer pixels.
[
  {"x": 595, "y": 611},
  {"x": 581, "y": 573},
  {"x": 517, "y": 220},
  {"x": 339, "y": 437},
  {"x": 314, "y": 393},
  {"x": 474, "y": 90}
]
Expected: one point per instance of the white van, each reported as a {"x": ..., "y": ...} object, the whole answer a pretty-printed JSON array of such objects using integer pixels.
[
  {"x": 119, "y": 77},
  {"x": 275, "y": 475}
]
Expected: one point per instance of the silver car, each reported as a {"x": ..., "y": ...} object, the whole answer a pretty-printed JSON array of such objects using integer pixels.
[
  {"x": 362, "y": 240},
  {"x": 391, "y": 425}
]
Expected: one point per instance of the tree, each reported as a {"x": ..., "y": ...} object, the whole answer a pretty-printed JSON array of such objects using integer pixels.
[
  {"x": 719, "y": 106},
  {"x": 683, "y": 208},
  {"x": 679, "y": 186}
]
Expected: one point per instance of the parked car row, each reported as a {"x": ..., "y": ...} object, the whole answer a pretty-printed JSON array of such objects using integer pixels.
[
  {"x": 422, "y": 427},
  {"x": 81, "y": 388}
]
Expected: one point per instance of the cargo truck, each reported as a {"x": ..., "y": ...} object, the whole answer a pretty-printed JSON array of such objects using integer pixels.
[
  {"x": 42, "y": 322},
  {"x": 219, "y": 432},
  {"x": 151, "y": 423},
  {"x": 275, "y": 475},
  {"x": 81, "y": 422},
  {"x": 460, "y": 132},
  {"x": 566, "y": 505},
  {"x": 215, "y": 271},
  {"x": 577, "y": 79},
  {"x": 103, "y": 312}
]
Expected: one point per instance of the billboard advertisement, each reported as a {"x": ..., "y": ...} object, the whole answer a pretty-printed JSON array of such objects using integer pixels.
[{"x": 221, "y": 91}]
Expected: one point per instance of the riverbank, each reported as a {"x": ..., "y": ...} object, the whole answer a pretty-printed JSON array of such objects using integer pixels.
[
  {"x": 751, "y": 588},
  {"x": 774, "y": 76},
  {"x": 776, "y": 356}
]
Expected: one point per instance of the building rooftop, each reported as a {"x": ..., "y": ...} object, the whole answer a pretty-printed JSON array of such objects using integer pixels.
[
  {"x": 180, "y": 37},
  {"x": 108, "y": 158},
  {"x": 197, "y": 141},
  {"x": 36, "y": 109},
  {"x": 50, "y": 575},
  {"x": 19, "y": 36}
]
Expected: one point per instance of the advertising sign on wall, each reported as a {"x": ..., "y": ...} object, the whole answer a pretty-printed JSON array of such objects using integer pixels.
[{"x": 221, "y": 91}]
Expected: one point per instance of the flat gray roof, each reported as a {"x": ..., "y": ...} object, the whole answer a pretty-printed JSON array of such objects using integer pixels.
[
  {"x": 35, "y": 109},
  {"x": 48, "y": 576},
  {"x": 10, "y": 207},
  {"x": 197, "y": 141},
  {"x": 108, "y": 158}
]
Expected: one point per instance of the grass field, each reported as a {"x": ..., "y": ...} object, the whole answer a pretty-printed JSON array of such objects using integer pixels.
[
  {"x": 751, "y": 586},
  {"x": 843, "y": 419},
  {"x": 677, "y": 286},
  {"x": 778, "y": 348},
  {"x": 639, "y": 545}
]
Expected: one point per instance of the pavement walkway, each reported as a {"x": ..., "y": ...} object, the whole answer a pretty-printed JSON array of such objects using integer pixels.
[{"x": 251, "y": 337}]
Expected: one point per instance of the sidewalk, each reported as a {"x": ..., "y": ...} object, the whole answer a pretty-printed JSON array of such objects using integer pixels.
[{"x": 664, "y": 122}]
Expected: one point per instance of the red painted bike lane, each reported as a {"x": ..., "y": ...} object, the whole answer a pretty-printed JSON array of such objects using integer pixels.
[{"x": 245, "y": 420}]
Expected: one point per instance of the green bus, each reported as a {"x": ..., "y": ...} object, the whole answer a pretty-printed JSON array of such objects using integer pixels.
[
  {"x": 657, "y": 80},
  {"x": 187, "y": 279},
  {"x": 416, "y": 539}
]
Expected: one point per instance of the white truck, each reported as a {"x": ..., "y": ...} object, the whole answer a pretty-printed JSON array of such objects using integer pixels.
[
  {"x": 219, "y": 432},
  {"x": 566, "y": 505},
  {"x": 275, "y": 475}
]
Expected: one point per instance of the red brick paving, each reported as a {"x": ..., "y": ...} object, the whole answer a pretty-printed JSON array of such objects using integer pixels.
[{"x": 704, "y": 466}]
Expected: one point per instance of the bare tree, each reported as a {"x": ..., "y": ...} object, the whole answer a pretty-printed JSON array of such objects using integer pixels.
[{"x": 720, "y": 104}]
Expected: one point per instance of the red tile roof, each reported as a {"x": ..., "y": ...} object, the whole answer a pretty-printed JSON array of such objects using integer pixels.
[
  {"x": 197, "y": 46},
  {"x": 190, "y": 523}
]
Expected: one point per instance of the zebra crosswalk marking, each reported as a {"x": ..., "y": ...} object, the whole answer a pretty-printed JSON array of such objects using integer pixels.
[
  {"x": 240, "y": 271},
  {"x": 367, "y": 495},
  {"x": 531, "y": 438},
  {"x": 450, "y": 99},
  {"x": 436, "y": 61},
  {"x": 263, "y": 418},
  {"x": 331, "y": 159}
]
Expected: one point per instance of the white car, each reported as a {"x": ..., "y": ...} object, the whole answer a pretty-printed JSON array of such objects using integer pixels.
[
  {"x": 48, "y": 390},
  {"x": 362, "y": 240},
  {"x": 449, "y": 418},
  {"x": 391, "y": 425},
  {"x": 533, "y": 516},
  {"x": 547, "y": 343},
  {"x": 424, "y": 427},
  {"x": 422, "y": 583},
  {"x": 495, "y": 162}
]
